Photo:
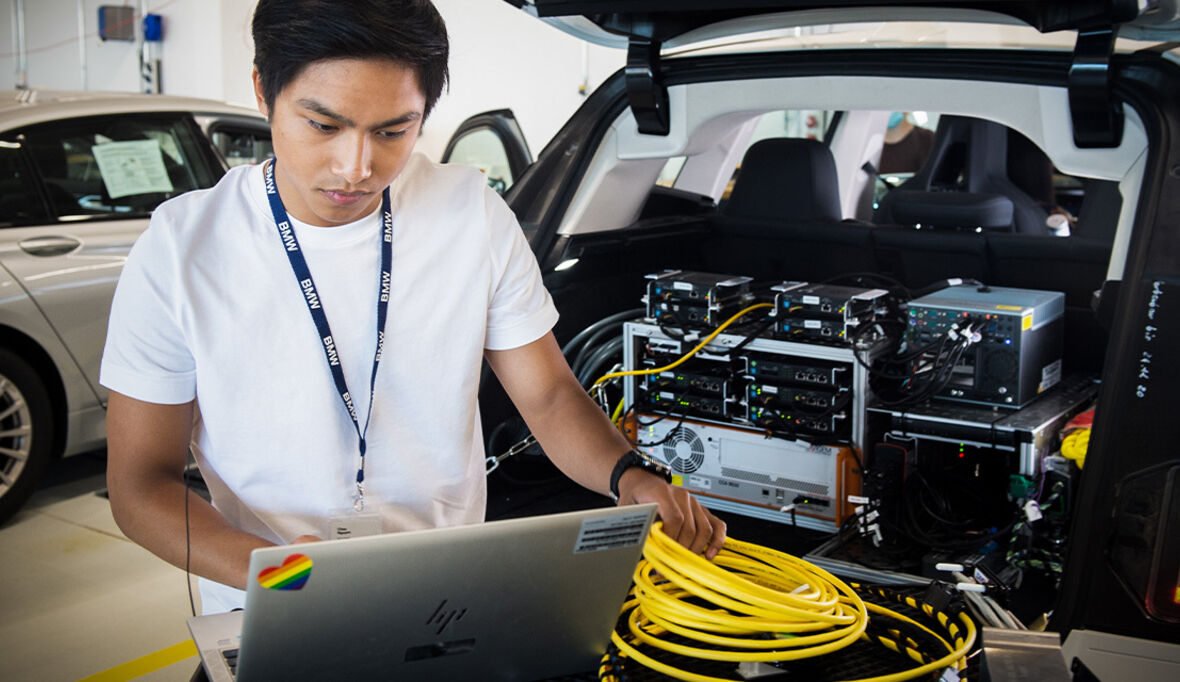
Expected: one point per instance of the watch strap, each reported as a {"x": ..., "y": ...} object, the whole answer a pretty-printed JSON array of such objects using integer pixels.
[{"x": 634, "y": 458}]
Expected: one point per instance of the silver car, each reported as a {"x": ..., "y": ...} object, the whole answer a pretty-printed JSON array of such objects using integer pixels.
[{"x": 80, "y": 174}]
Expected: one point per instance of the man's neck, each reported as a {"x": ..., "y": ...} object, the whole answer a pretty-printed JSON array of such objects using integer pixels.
[{"x": 897, "y": 133}]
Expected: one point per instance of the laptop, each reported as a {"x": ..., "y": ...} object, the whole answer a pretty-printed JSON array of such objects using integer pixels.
[{"x": 520, "y": 599}]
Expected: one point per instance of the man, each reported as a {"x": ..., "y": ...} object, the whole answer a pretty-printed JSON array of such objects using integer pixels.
[
  {"x": 906, "y": 145},
  {"x": 314, "y": 327}
]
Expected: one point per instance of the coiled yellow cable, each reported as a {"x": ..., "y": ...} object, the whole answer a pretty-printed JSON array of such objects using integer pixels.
[
  {"x": 1075, "y": 445},
  {"x": 730, "y": 604}
]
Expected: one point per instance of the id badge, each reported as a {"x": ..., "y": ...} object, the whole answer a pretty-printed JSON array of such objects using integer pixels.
[{"x": 353, "y": 524}]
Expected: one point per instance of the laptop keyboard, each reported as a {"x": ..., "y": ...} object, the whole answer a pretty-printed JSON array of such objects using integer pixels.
[{"x": 231, "y": 660}]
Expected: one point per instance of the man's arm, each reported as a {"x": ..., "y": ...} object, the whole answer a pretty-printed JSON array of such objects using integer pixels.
[
  {"x": 583, "y": 443},
  {"x": 147, "y": 448}
]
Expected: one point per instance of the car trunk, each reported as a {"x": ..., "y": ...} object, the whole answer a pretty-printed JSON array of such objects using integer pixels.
[{"x": 1126, "y": 335}]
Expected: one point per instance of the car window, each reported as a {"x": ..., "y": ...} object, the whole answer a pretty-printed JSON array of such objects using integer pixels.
[
  {"x": 908, "y": 138},
  {"x": 483, "y": 149},
  {"x": 1060, "y": 196},
  {"x": 811, "y": 124},
  {"x": 117, "y": 165},
  {"x": 19, "y": 201},
  {"x": 241, "y": 146}
]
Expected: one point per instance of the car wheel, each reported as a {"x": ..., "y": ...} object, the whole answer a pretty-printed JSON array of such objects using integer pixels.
[{"x": 26, "y": 428}]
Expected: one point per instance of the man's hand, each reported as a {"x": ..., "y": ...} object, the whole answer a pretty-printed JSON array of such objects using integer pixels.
[{"x": 685, "y": 520}]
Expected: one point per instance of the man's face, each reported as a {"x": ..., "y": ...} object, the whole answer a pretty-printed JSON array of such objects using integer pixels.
[{"x": 343, "y": 129}]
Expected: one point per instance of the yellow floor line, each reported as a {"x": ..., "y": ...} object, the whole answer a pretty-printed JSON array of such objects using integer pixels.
[{"x": 146, "y": 664}]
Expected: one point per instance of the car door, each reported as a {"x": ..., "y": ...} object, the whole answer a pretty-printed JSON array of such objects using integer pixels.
[
  {"x": 98, "y": 179},
  {"x": 493, "y": 142}
]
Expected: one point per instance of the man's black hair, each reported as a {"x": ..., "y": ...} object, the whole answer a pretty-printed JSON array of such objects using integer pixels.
[{"x": 291, "y": 34}]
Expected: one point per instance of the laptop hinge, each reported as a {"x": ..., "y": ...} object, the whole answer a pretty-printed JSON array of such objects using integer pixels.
[
  {"x": 645, "y": 90},
  {"x": 1097, "y": 118}
]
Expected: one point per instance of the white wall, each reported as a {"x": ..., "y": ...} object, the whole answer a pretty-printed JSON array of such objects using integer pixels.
[
  {"x": 500, "y": 58},
  {"x": 503, "y": 58},
  {"x": 191, "y": 52},
  {"x": 237, "y": 51}
]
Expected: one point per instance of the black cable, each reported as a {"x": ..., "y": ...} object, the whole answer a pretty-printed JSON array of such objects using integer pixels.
[
  {"x": 754, "y": 334},
  {"x": 860, "y": 465},
  {"x": 490, "y": 444},
  {"x": 653, "y": 422},
  {"x": 504, "y": 470},
  {"x": 949, "y": 367},
  {"x": 667, "y": 436},
  {"x": 188, "y": 544},
  {"x": 592, "y": 344},
  {"x": 843, "y": 400},
  {"x": 951, "y": 539},
  {"x": 939, "y": 500},
  {"x": 581, "y": 336},
  {"x": 933, "y": 380},
  {"x": 601, "y": 356},
  {"x": 901, "y": 364},
  {"x": 639, "y": 424},
  {"x": 854, "y": 345}
]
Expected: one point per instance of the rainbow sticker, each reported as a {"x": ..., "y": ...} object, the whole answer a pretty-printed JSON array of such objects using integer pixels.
[{"x": 292, "y": 575}]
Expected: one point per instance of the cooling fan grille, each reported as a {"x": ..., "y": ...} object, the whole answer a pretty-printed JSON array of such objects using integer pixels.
[{"x": 684, "y": 451}]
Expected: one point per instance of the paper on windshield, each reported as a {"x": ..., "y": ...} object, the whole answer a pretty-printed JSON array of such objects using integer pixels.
[{"x": 134, "y": 167}]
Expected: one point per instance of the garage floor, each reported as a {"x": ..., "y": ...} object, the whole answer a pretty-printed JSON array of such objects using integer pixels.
[{"x": 78, "y": 600}]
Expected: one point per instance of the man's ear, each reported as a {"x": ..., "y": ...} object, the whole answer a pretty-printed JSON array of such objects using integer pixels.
[{"x": 258, "y": 94}]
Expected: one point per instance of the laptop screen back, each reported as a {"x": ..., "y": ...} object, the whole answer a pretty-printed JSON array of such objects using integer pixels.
[{"x": 521, "y": 599}]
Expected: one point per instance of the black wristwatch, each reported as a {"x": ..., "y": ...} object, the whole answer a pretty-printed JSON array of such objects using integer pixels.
[{"x": 635, "y": 458}]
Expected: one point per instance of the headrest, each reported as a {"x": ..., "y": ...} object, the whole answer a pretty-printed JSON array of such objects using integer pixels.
[
  {"x": 955, "y": 210},
  {"x": 786, "y": 179},
  {"x": 970, "y": 155}
]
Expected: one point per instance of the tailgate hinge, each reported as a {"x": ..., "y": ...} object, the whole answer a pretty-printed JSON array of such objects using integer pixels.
[
  {"x": 645, "y": 90},
  {"x": 1097, "y": 117}
]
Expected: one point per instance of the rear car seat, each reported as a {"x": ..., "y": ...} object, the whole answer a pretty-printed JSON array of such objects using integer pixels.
[
  {"x": 969, "y": 155},
  {"x": 783, "y": 218}
]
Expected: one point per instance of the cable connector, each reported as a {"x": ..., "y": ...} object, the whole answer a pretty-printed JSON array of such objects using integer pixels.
[{"x": 940, "y": 596}]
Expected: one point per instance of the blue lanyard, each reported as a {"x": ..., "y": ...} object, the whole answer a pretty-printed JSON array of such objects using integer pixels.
[{"x": 312, "y": 299}]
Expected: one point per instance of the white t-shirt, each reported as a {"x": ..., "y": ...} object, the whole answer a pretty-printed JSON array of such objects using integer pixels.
[{"x": 208, "y": 307}]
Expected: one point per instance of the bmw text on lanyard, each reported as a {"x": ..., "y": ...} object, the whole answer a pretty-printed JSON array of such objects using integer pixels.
[{"x": 311, "y": 297}]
